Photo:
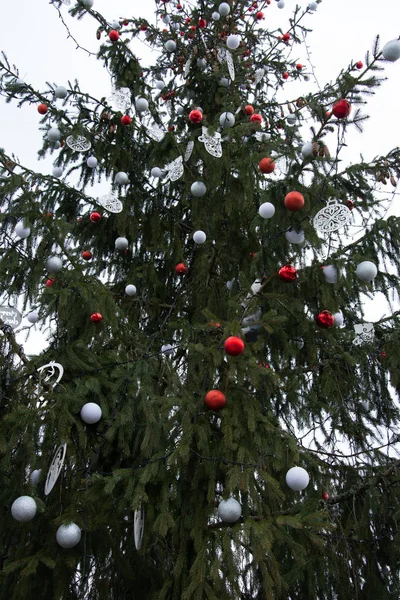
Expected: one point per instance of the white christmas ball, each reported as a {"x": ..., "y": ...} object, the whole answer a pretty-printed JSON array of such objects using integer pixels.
[
  {"x": 32, "y": 316},
  {"x": 68, "y": 536},
  {"x": 121, "y": 243},
  {"x": 166, "y": 19},
  {"x": 230, "y": 284},
  {"x": 295, "y": 237},
  {"x": 227, "y": 119},
  {"x": 201, "y": 64},
  {"x": 233, "y": 41},
  {"x": 61, "y": 92},
  {"x": 179, "y": 110},
  {"x": 141, "y": 104},
  {"x": 130, "y": 290},
  {"x": 297, "y": 479},
  {"x": 224, "y": 81},
  {"x": 266, "y": 210},
  {"x": 198, "y": 189},
  {"x": 91, "y": 413},
  {"x": 57, "y": 172},
  {"x": 313, "y": 6},
  {"x": 159, "y": 84},
  {"x": 21, "y": 231},
  {"x": 170, "y": 46},
  {"x": 291, "y": 119},
  {"x": 155, "y": 172},
  {"x": 23, "y": 509},
  {"x": 121, "y": 178},
  {"x": 87, "y": 3},
  {"x": 391, "y": 50},
  {"x": 54, "y": 134},
  {"x": 307, "y": 150},
  {"x": 115, "y": 25},
  {"x": 199, "y": 237},
  {"x": 339, "y": 320},
  {"x": 366, "y": 271},
  {"x": 330, "y": 273},
  {"x": 53, "y": 264},
  {"x": 35, "y": 476},
  {"x": 215, "y": 16},
  {"x": 57, "y": 145},
  {"x": 174, "y": 26},
  {"x": 167, "y": 349},
  {"x": 224, "y": 9},
  {"x": 281, "y": 4},
  {"x": 229, "y": 511},
  {"x": 91, "y": 162}
]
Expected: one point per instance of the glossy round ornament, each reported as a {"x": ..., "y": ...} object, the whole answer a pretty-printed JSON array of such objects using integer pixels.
[
  {"x": 42, "y": 109},
  {"x": 294, "y": 201},
  {"x": 121, "y": 178},
  {"x": 91, "y": 413},
  {"x": 224, "y": 9},
  {"x": 61, "y": 92},
  {"x": 266, "y": 165},
  {"x": 325, "y": 319},
  {"x": 91, "y": 162},
  {"x": 68, "y": 536},
  {"x": 366, "y": 271},
  {"x": 121, "y": 243},
  {"x": 170, "y": 46},
  {"x": 294, "y": 237},
  {"x": 156, "y": 172},
  {"x": 141, "y": 104},
  {"x": 198, "y": 189},
  {"x": 54, "y": 134},
  {"x": 53, "y": 264},
  {"x": 57, "y": 171},
  {"x": 21, "y": 231},
  {"x": 266, "y": 210},
  {"x": 233, "y": 41},
  {"x": 234, "y": 346},
  {"x": 96, "y": 317},
  {"x": 126, "y": 120},
  {"x": 391, "y": 50},
  {"x": 181, "y": 269},
  {"x": 199, "y": 237},
  {"x": 215, "y": 400},
  {"x": 297, "y": 479},
  {"x": 341, "y": 109},
  {"x": 229, "y": 511},
  {"x": 287, "y": 273},
  {"x": 130, "y": 290},
  {"x": 23, "y": 509},
  {"x": 35, "y": 477},
  {"x": 33, "y": 316},
  {"x": 307, "y": 150},
  {"x": 113, "y": 35},
  {"x": 330, "y": 273},
  {"x": 226, "y": 120},
  {"x": 95, "y": 217},
  {"x": 195, "y": 116}
]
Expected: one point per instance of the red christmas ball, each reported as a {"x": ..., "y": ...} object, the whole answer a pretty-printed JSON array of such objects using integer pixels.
[
  {"x": 359, "y": 64},
  {"x": 181, "y": 269},
  {"x": 294, "y": 201},
  {"x": 259, "y": 15},
  {"x": 143, "y": 27},
  {"x": 87, "y": 255},
  {"x": 350, "y": 204},
  {"x": 215, "y": 400},
  {"x": 266, "y": 165},
  {"x": 325, "y": 319},
  {"x": 287, "y": 273},
  {"x": 96, "y": 317},
  {"x": 202, "y": 23},
  {"x": 113, "y": 35},
  {"x": 126, "y": 120},
  {"x": 249, "y": 110},
  {"x": 341, "y": 109},
  {"x": 42, "y": 109},
  {"x": 325, "y": 496},
  {"x": 234, "y": 346},
  {"x": 179, "y": 6},
  {"x": 195, "y": 116},
  {"x": 285, "y": 75},
  {"x": 286, "y": 37},
  {"x": 299, "y": 66},
  {"x": 256, "y": 118},
  {"x": 50, "y": 282},
  {"x": 95, "y": 217}
]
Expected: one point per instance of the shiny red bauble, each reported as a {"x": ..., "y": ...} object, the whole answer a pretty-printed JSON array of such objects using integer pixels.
[
  {"x": 95, "y": 217},
  {"x": 286, "y": 37},
  {"x": 256, "y": 118},
  {"x": 87, "y": 255},
  {"x": 215, "y": 400},
  {"x": 287, "y": 273},
  {"x": 359, "y": 64},
  {"x": 126, "y": 120},
  {"x": 294, "y": 201},
  {"x": 202, "y": 23},
  {"x": 341, "y": 109},
  {"x": 42, "y": 109},
  {"x": 195, "y": 116},
  {"x": 96, "y": 317},
  {"x": 325, "y": 496},
  {"x": 234, "y": 346},
  {"x": 259, "y": 15},
  {"x": 50, "y": 282},
  {"x": 285, "y": 75},
  {"x": 266, "y": 165},
  {"x": 249, "y": 110},
  {"x": 113, "y": 35},
  {"x": 325, "y": 319},
  {"x": 299, "y": 66},
  {"x": 181, "y": 269}
]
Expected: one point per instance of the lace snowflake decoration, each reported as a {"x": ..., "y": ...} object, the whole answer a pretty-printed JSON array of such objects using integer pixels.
[
  {"x": 212, "y": 143},
  {"x": 78, "y": 143},
  {"x": 111, "y": 203},
  {"x": 365, "y": 334},
  {"x": 332, "y": 217}
]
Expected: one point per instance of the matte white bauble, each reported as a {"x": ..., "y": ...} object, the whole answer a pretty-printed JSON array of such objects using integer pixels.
[
  {"x": 91, "y": 413},
  {"x": 167, "y": 349},
  {"x": 391, "y": 50},
  {"x": 291, "y": 119},
  {"x": 339, "y": 320},
  {"x": 57, "y": 172},
  {"x": 87, "y": 3},
  {"x": 32, "y": 316},
  {"x": 229, "y": 284},
  {"x": 160, "y": 85},
  {"x": 53, "y": 264},
  {"x": 366, "y": 271},
  {"x": 68, "y": 536},
  {"x": 295, "y": 237},
  {"x": 54, "y": 134},
  {"x": 307, "y": 150},
  {"x": 130, "y": 290},
  {"x": 229, "y": 511},
  {"x": 201, "y": 64},
  {"x": 233, "y": 41},
  {"x": 23, "y": 509},
  {"x": 266, "y": 210},
  {"x": 224, "y": 9},
  {"x": 35, "y": 476},
  {"x": 330, "y": 273},
  {"x": 215, "y": 16},
  {"x": 224, "y": 81},
  {"x": 198, "y": 189},
  {"x": 281, "y": 4},
  {"x": 57, "y": 145},
  {"x": 170, "y": 46},
  {"x": 115, "y": 25},
  {"x": 121, "y": 178},
  {"x": 61, "y": 92},
  {"x": 21, "y": 231},
  {"x": 199, "y": 237},
  {"x": 297, "y": 479},
  {"x": 313, "y": 6},
  {"x": 91, "y": 162},
  {"x": 121, "y": 243},
  {"x": 141, "y": 104},
  {"x": 227, "y": 119},
  {"x": 179, "y": 110},
  {"x": 156, "y": 172},
  {"x": 166, "y": 19}
]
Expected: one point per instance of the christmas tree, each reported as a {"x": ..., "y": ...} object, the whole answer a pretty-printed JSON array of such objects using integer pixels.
[{"x": 213, "y": 416}]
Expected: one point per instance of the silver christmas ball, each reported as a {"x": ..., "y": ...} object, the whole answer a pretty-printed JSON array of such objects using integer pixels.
[
  {"x": 266, "y": 210},
  {"x": 68, "y": 536},
  {"x": 87, "y": 3},
  {"x": 230, "y": 284},
  {"x": 330, "y": 274},
  {"x": 35, "y": 476},
  {"x": 224, "y": 81},
  {"x": 53, "y": 264},
  {"x": 121, "y": 178},
  {"x": 224, "y": 9},
  {"x": 179, "y": 110},
  {"x": 166, "y": 19},
  {"x": 170, "y": 46},
  {"x": 121, "y": 243},
  {"x": 167, "y": 349},
  {"x": 198, "y": 189},
  {"x": 391, "y": 50},
  {"x": 54, "y": 134},
  {"x": 339, "y": 320},
  {"x": 295, "y": 237},
  {"x": 57, "y": 145},
  {"x": 229, "y": 511},
  {"x": 297, "y": 479},
  {"x": 156, "y": 172},
  {"x": 233, "y": 41},
  {"x": 91, "y": 413},
  {"x": 366, "y": 271},
  {"x": 281, "y": 4},
  {"x": 130, "y": 290},
  {"x": 227, "y": 119},
  {"x": 141, "y": 104},
  {"x": 23, "y": 509},
  {"x": 307, "y": 150},
  {"x": 115, "y": 25},
  {"x": 215, "y": 16},
  {"x": 21, "y": 231},
  {"x": 91, "y": 162},
  {"x": 160, "y": 85},
  {"x": 313, "y": 6},
  {"x": 291, "y": 119},
  {"x": 61, "y": 92},
  {"x": 57, "y": 172},
  {"x": 32, "y": 316},
  {"x": 199, "y": 237}
]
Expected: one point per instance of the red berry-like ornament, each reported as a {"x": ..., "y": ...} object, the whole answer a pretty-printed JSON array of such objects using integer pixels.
[
  {"x": 95, "y": 217},
  {"x": 285, "y": 75},
  {"x": 202, "y": 23},
  {"x": 42, "y": 109},
  {"x": 181, "y": 269},
  {"x": 325, "y": 319},
  {"x": 143, "y": 27},
  {"x": 359, "y": 64},
  {"x": 87, "y": 255},
  {"x": 287, "y": 273},
  {"x": 286, "y": 37},
  {"x": 113, "y": 35},
  {"x": 50, "y": 282},
  {"x": 299, "y": 66},
  {"x": 234, "y": 346},
  {"x": 294, "y": 201},
  {"x": 341, "y": 109},
  {"x": 266, "y": 165},
  {"x": 126, "y": 120},
  {"x": 195, "y": 116},
  {"x": 259, "y": 15},
  {"x": 256, "y": 118},
  {"x": 249, "y": 110},
  {"x": 215, "y": 400},
  {"x": 325, "y": 496},
  {"x": 96, "y": 317}
]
